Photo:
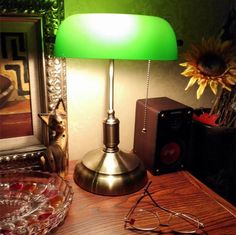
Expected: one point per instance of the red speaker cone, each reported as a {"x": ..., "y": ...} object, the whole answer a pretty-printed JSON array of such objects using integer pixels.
[{"x": 170, "y": 153}]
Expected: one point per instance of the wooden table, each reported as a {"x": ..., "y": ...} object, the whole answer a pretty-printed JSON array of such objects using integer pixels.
[{"x": 103, "y": 215}]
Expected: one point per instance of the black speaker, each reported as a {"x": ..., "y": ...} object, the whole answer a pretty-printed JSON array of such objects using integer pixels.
[{"x": 163, "y": 147}]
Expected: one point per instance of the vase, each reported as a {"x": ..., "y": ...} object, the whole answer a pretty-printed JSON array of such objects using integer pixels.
[{"x": 212, "y": 158}]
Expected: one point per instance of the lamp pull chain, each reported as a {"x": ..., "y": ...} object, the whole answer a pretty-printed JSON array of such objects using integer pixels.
[{"x": 144, "y": 130}]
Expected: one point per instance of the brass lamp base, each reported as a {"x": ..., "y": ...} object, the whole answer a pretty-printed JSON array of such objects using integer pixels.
[{"x": 110, "y": 173}]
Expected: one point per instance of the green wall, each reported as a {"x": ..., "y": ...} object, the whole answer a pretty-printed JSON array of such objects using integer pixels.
[{"x": 191, "y": 19}]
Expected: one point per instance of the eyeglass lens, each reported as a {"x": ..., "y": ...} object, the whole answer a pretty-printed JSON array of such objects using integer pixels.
[{"x": 149, "y": 220}]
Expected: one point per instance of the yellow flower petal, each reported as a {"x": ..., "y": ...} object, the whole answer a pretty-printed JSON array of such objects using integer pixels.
[
  {"x": 201, "y": 88},
  {"x": 233, "y": 71},
  {"x": 185, "y": 64},
  {"x": 226, "y": 87},
  {"x": 213, "y": 86},
  {"x": 230, "y": 80},
  {"x": 189, "y": 71},
  {"x": 191, "y": 82}
]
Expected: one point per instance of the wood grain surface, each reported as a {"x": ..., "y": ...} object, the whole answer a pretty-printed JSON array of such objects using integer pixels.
[{"x": 180, "y": 191}]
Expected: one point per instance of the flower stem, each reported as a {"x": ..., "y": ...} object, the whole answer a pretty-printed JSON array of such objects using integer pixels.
[{"x": 216, "y": 102}]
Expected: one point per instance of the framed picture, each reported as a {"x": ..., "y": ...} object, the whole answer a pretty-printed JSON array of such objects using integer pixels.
[
  {"x": 32, "y": 80},
  {"x": 20, "y": 82}
]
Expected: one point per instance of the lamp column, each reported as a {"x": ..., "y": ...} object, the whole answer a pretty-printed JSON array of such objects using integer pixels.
[
  {"x": 111, "y": 136},
  {"x": 109, "y": 170}
]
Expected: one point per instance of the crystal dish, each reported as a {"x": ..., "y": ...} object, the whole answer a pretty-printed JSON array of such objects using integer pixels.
[{"x": 32, "y": 202}]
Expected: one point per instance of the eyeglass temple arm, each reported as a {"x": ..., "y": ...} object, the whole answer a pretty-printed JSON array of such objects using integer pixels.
[
  {"x": 150, "y": 196},
  {"x": 137, "y": 202},
  {"x": 200, "y": 224}
]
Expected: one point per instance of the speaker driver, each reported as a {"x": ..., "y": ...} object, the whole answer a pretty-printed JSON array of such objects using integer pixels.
[{"x": 170, "y": 153}]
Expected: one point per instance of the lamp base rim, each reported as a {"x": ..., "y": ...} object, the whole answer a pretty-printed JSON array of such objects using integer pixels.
[{"x": 98, "y": 182}]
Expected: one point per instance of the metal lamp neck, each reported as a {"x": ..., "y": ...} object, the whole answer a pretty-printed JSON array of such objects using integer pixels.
[{"x": 111, "y": 137}]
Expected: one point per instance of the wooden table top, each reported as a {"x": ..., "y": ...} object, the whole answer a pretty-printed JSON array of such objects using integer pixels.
[{"x": 180, "y": 191}]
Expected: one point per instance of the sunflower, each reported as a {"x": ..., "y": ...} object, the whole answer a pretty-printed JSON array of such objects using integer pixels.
[{"x": 212, "y": 63}]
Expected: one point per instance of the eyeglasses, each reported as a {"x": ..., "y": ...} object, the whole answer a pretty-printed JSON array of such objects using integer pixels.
[{"x": 146, "y": 219}]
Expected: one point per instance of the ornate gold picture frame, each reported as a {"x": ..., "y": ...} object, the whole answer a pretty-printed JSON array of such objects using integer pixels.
[{"x": 45, "y": 17}]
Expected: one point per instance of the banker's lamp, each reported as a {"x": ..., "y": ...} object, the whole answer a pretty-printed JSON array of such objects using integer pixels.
[{"x": 110, "y": 171}]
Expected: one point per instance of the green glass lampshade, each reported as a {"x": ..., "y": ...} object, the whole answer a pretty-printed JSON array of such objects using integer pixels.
[{"x": 116, "y": 36}]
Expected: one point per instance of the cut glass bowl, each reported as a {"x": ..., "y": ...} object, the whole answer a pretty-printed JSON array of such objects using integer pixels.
[{"x": 32, "y": 202}]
